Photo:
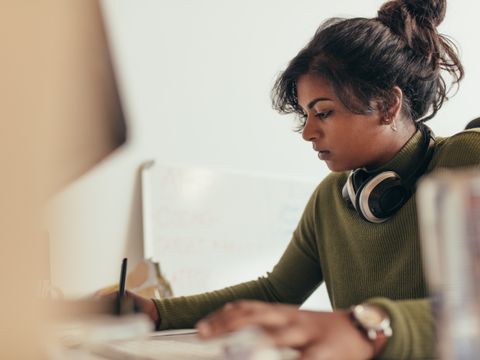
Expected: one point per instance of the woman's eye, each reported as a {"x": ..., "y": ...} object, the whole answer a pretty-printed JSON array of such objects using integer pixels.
[{"x": 322, "y": 115}]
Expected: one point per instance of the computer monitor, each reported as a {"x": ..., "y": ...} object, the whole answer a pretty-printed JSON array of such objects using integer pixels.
[{"x": 88, "y": 122}]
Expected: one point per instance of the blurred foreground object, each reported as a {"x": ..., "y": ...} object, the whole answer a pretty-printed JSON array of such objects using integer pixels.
[
  {"x": 449, "y": 215},
  {"x": 60, "y": 115},
  {"x": 145, "y": 280},
  {"x": 77, "y": 328}
]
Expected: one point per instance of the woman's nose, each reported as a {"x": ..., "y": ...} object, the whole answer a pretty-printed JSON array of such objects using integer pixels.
[{"x": 309, "y": 132}]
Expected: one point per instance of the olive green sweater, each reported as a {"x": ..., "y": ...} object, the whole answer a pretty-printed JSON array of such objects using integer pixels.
[{"x": 359, "y": 261}]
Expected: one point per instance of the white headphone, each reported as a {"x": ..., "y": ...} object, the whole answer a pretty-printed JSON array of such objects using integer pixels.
[{"x": 377, "y": 196}]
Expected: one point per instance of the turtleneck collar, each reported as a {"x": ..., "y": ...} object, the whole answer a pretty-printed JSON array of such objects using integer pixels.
[{"x": 406, "y": 160}]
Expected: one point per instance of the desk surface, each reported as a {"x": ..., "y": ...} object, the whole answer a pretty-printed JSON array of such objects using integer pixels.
[{"x": 184, "y": 344}]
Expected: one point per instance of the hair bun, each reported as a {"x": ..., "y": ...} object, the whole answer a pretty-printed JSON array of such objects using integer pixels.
[
  {"x": 432, "y": 11},
  {"x": 425, "y": 13}
]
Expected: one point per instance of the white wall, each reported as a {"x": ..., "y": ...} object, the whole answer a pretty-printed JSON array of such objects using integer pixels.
[{"x": 195, "y": 78}]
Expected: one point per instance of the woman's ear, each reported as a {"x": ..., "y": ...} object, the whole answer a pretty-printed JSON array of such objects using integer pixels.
[
  {"x": 395, "y": 107},
  {"x": 390, "y": 107}
]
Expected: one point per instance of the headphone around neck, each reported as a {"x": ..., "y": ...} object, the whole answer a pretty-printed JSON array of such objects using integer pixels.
[{"x": 377, "y": 196}]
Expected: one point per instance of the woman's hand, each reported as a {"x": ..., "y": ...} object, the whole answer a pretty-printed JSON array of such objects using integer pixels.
[
  {"x": 147, "y": 306},
  {"x": 318, "y": 335}
]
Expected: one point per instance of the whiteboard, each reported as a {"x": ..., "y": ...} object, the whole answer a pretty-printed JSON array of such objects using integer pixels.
[{"x": 209, "y": 229}]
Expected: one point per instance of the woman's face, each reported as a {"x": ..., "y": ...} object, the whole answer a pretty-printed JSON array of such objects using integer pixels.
[{"x": 342, "y": 139}]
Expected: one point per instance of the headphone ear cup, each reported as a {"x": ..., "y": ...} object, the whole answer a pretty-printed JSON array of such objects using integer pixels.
[
  {"x": 380, "y": 197},
  {"x": 354, "y": 181},
  {"x": 348, "y": 192}
]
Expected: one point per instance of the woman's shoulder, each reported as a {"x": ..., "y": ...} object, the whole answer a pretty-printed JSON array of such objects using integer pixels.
[
  {"x": 333, "y": 180},
  {"x": 461, "y": 149},
  {"x": 470, "y": 135},
  {"x": 325, "y": 191}
]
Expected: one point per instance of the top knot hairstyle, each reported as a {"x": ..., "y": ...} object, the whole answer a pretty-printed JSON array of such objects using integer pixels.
[{"x": 364, "y": 59}]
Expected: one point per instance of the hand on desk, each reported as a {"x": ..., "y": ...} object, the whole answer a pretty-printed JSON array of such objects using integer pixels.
[{"x": 318, "y": 335}]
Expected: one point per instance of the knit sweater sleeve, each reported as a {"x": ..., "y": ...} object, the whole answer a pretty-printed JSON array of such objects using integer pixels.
[{"x": 296, "y": 275}]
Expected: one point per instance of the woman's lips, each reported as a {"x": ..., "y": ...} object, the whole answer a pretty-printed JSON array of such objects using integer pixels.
[{"x": 323, "y": 154}]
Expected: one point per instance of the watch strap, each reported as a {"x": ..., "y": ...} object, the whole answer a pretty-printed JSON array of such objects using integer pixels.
[{"x": 376, "y": 336}]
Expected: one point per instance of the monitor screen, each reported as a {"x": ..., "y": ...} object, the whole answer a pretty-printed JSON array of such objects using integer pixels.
[{"x": 87, "y": 121}]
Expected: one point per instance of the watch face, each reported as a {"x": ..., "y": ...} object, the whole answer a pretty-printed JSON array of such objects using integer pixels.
[{"x": 369, "y": 316}]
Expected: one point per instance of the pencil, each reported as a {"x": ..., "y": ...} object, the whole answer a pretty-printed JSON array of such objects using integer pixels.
[{"x": 123, "y": 276}]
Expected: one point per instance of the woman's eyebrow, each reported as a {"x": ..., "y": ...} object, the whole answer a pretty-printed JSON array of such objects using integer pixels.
[{"x": 312, "y": 103}]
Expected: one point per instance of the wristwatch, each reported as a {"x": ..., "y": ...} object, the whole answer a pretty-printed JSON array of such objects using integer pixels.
[{"x": 373, "y": 321}]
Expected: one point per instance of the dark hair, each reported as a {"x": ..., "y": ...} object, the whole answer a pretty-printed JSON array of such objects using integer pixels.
[
  {"x": 475, "y": 123},
  {"x": 363, "y": 59}
]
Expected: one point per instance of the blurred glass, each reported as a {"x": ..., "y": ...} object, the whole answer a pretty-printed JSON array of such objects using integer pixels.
[{"x": 449, "y": 216}]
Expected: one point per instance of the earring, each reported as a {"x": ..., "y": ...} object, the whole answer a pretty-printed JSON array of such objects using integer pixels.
[{"x": 393, "y": 125}]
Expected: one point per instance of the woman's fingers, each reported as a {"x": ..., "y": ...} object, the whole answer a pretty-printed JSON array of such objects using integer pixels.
[
  {"x": 229, "y": 318},
  {"x": 293, "y": 336},
  {"x": 234, "y": 316},
  {"x": 146, "y": 305},
  {"x": 320, "y": 351}
]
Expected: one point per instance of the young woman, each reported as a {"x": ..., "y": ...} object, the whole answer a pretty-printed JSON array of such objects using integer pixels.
[{"x": 363, "y": 89}]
